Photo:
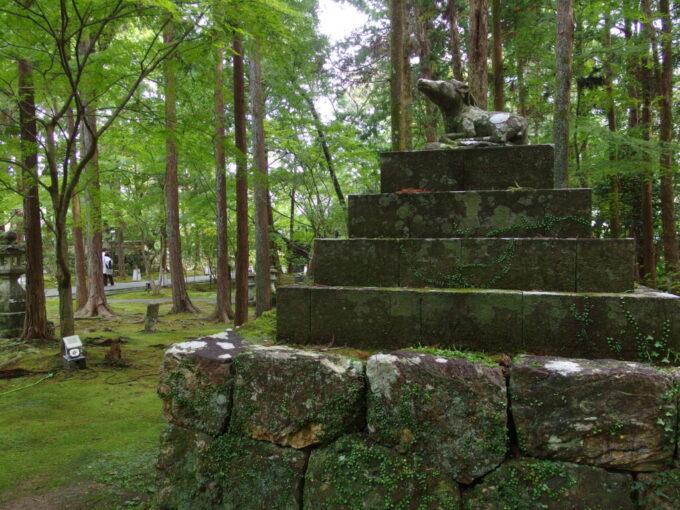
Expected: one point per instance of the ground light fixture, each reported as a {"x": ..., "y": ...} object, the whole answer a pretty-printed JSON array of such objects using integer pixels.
[{"x": 74, "y": 354}]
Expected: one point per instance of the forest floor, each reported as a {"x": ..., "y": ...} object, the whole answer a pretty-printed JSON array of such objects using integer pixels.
[{"x": 88, "y": 439}]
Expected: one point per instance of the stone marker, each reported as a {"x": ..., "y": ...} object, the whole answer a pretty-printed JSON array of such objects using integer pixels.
[
  {"x": 12, "y": 295},
  {"x": 151, "y": 317},
  {"x": 579, "y": 410},
  {"x": 450, "y": 411}
]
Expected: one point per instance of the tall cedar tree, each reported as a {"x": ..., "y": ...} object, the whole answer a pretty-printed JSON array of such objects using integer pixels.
[
  {"x": 454, "y": 37},
  {"x": 263, "y": 291},
  {"x": 398, "y": 80},
  {"x": 180, "y": 298},
  {"x": 564, "y": 49},
  {"x": 223, "y": 311},
  {"x": 479, "y": 51},
  {"x": 497, "y": 57},
  {"x": 241, "y": 316},
  {"x": 35, "y": 323}
]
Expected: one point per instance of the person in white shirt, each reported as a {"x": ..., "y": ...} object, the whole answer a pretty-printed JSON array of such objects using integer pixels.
[{"x": 107, "y": 268}]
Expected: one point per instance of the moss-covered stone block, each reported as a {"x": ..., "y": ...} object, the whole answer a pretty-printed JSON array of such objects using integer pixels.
[
  {"x": 197, "y": 379},
  {"x": 355, "y": 473},
  {"x": 180, "y": 486},
  {"x": 493, "y": 264},
  {"x": 293, "y": 320},
  {"x": 605, "y": 265},
  {"x": 582, "y": 411},
  {"x": 510, "y": 213},
  {"x": 429, "y": 262},
  {"x": 548, "y": 264},
  {"x": 356, "y": 262},
  {"x": 252, "y": 475},
  {"x": 481, "y": 320},
  {"x": 365, "y": 317},
  {"x": 450, "y": 411},
  {"x": 528, "y": 484},
  {"x": 529, "y": 166},
  {"x": 297, "y": 398}
]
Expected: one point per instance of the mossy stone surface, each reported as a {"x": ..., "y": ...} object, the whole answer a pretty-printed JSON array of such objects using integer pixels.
[
  {"x": 354, "y": 473},
  {"x": 529, "y": 484},
  {"x": 529, "y": 166},
  {"x": 579, "y": 410},
  {"x": 605, "y": 265},
  {"x": 196, "y": 381},
  {"x": 297, "y": 398},
  {"x": 293, "y": 303},
  {"x": 450, "y": 411}
]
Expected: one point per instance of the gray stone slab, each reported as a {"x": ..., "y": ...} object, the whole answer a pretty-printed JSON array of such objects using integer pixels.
[
  {"x": 516, "y": 213},
  {"x": 605, "y": 265},
  {"x": 293, "y": 305},
  {"x": 529, "y": 166}
]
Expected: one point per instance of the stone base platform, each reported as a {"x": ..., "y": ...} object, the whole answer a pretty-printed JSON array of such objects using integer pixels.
[
  {"x": 636, "y": 326},
  {"x": 568, "y": 265}
]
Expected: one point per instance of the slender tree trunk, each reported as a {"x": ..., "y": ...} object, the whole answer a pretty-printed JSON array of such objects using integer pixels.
[
  {"x": 521, "y": 88},
  {"x": 497, "y": 58},
  {"x": 291, "y": 232},
  {"x": 670, "y": 240},
  {"x": 263, "y": 291},
  {"x": 180, "y": 298},
  {"x": 615, "y": 194},
  {"x": 564, "y": 46},
  {"x": 120, "y": 245},
  {"x": 96, "y": 299},
  {"x": 77, "y": 231},
  {"x": 479, "y": 51},
  {"x": 454, "y": 36},
  {"x": 423, "y": 25},
  {"x": 35, "y": 324},
  {"x": 242, "y": 247},
  {"x": 223, "y": 311},
  {"x": 273, "y": 247},
  {"x": 397, "y": 75}
]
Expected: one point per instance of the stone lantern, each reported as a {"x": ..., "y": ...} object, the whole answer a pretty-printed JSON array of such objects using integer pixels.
[{"x": 12, "y": 295}]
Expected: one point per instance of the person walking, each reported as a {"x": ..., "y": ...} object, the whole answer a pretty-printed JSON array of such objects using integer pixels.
[{"x": 107, "y": 267}]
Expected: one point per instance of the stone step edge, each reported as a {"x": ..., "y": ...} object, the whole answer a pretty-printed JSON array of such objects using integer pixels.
[{"x": 472, "y": 191}]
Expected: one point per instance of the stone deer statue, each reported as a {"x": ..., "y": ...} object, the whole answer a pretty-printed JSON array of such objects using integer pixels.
[{"x": 464, "y": 121}]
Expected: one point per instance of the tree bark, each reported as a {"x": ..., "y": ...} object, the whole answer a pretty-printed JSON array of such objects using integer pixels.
[
  {"x": 180, "y": 298},
  {"x": 35, "y": 323},
  {"x": 263, "y": 292},
  {"x": 454, "y": 36},
  {"x": 242, "y": 247},
  {"x": 615, "y": 193},
  {"x": 397, "y": 76},
  {"x": 291, "y": 231},
  {"x": 120, "y": 246},
  {"x": 668, "y": 221},
  {"x": 564, "y": 48},
  {"x": 96, "y": 299},
  {"x": 479, "y": 52},
  {"x": 423, "y": 25},
  {"x": 223, "y": 311},
  {"x": 497, "y": 58}
]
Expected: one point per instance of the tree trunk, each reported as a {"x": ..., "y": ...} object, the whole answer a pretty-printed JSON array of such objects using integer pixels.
[
  {"x": 670, "y": 241},
  {"x": 291, "y": 231},
  {"x": 456, "y": 62},
  {"x": 35, "y": 323},
  {"x": 263, "y": 291},
  {"x": 423, "y": 25},
  {"x": 180, "y": 298},
  {"x": 479, "y": 52},
  {"x": 223, "y": 311},
  {"x": 242, "y": 248},
  {"x": 615, "y": 194},
  {"x": 96, "y": 299},
  {"x": 78, "y": 237},
  {"x": 398, "y": 91},
  {"x": 497, "y": 58},
  {"x": 120, "y": 245},
  {"x": 564, "y": 47}
]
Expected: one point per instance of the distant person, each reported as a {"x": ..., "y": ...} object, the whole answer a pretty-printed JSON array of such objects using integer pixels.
[{"x": 107, "y": 267}]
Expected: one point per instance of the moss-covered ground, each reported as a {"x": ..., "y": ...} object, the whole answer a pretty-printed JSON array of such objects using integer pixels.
[{"x": 89, "y": 438}]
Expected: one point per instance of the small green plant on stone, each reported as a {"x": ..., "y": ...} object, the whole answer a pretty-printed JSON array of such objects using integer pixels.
[
  {"x": 455, "y": 353},
  {"x": 583, "y": 318},
  {"x": 651, "y": 349}
]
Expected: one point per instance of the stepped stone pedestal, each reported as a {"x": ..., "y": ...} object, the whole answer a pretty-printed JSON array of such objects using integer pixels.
[{"x": 472, "y": 249}]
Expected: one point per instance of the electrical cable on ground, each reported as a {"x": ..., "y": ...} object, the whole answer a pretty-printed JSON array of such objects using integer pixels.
[{"x": 51, "y": 374}]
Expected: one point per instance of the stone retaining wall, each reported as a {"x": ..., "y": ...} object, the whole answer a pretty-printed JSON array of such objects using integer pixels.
[{"x": 255, "y": 427}]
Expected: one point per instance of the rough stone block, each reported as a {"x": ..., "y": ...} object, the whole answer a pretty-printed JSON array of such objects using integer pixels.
[
  {"x": 528, "y": 484},
  {"x": 494, "y": 263},
  {"x": 605, "y": 265},
  {"x": 580, "y": 411},
  {"x": 659, "y": 491},
  {"x": 365, "y": 317},
  {"x": 357, "y": 262},
  {"x": 197, "y": 379},
  {"x": 529, "y": 166},
  {"x": 480, "y": 320},
  {"x": 180, "y": 487},
  {"x": 450, "y": 411},
  {"x": 354, "y": 472},
  {"x": 293, "y": 319},
  {"x": 547, "y": 264},
  {"x": 515, "y": 213},
  {"x": 252, "y": 475},
  {"x": 429, "y": 262},
  {"x": 296, "y": 398}
]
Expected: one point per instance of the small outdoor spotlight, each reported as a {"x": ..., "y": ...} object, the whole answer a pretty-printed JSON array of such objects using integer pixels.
[{"x": 74, "y": 355}]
